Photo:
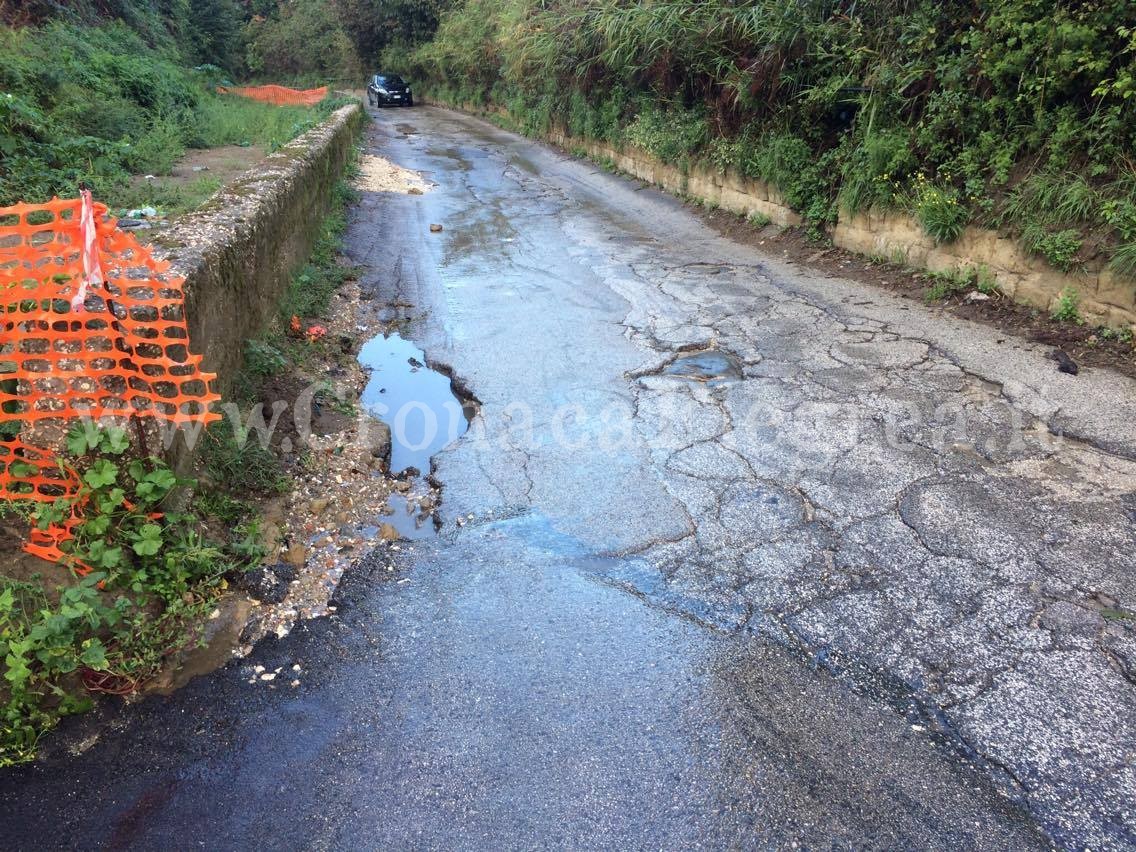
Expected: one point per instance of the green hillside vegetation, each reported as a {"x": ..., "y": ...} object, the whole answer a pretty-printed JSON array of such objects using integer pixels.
[
  {"x": 99, "y": 92},
  {"x": 1014, "y": 114}
]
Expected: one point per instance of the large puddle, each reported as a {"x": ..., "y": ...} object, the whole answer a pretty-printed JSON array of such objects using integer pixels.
[{"x": 416, "y": 402}]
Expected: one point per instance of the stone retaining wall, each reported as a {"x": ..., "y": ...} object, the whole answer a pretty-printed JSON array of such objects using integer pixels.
[
  {"x": 731, "y": 192},
  {"x": 1104, "y": 297},
  {"x": 239, "y": 251},
  {"x": 897, "y": 236}
]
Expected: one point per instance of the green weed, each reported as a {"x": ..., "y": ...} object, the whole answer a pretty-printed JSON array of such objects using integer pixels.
[
  {"x": 225, "y": 507},
  {"x": 939, "y": 211},
  {"x": 960, "y": 280},
  {"x": 150, "y": 576},
  {"x": 946, "y": 284},
  {"x": 1059, "y": 248},
  {"x": 1066, "y": 308},
  {"x": 1123, "y": 260},
  {"x": 237, "y": 460},
  {"x": 263, "y": 358}
]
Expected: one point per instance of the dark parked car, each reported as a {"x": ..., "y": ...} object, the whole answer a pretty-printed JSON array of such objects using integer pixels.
[{"x": 387, "y": 89}]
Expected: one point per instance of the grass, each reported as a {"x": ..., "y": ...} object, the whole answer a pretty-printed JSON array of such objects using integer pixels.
[
  {"x": 1123, "y": 261},
  {"x": 239, "y": 461},
  {"x": 952, "y": 282},
  {"x": 311, "y": 290},
  {"x": 235, "y": 120},
  {"x": 1052, "y": 198},
  {"x": 224, "y": 507},
  {"x": 169, "y": 198},
  {"x": 100, "y": 105}
]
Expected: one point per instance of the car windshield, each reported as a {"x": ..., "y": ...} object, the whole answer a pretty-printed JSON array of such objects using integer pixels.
[{"x": 392, "y": 80}]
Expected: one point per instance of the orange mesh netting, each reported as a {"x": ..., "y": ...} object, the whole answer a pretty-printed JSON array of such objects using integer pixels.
[
  {"x": 279, "y": 95},
  {"x": 100, "y": 335},
  {"x": 30, "y": 473}
]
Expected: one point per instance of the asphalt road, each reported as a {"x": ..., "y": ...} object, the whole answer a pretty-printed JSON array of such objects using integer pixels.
[{"x": 748, "y": 558}]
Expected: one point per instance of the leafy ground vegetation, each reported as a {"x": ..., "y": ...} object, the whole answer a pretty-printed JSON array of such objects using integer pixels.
[
  {"x": 99, "y": 92},
  {"x": 139, "y": 578},
  {"x": 158, "y": 550},
  {"x": 1013, "y": 114},
  {"x": 123, "y": 88}
]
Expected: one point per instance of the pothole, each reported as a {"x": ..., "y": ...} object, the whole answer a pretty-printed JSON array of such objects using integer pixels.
[
  {"x": 412, "y": 514},
  {"x": 416, "y": 402},
  {"x": 425, "y": 415},
  {"x": 707, "y": 365}
]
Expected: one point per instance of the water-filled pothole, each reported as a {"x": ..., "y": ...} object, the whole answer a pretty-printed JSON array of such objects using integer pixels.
[
  {"x": 410, "y": 518},
  {"x": 424, "y": 414},
  {"x": 418, "y": 403},
  {"x": 709, "y": 365}
]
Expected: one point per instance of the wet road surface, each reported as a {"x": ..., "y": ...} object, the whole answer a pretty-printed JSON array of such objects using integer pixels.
[{"x": 746, "y": 558}]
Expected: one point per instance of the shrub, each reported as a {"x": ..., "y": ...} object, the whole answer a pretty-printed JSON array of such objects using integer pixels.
[
  {"x": 826, "y": 101},
  {"x": 1059, "y": 248},
  {"x": 939, "y": 211},
  {"x": 876, "y": 169},
  {"x": 789, "y": 163},
  {"x": 672, "y": 135},
  {"x": 1066, "y": 309}
]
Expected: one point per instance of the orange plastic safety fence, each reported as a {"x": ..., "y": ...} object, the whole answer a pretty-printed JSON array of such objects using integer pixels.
[
  {"x": 126, "y": 353},
  {"x": 31, "y": 473},
  {"x": 122, "y": 351},
  {"x": 279, "y": 95}
]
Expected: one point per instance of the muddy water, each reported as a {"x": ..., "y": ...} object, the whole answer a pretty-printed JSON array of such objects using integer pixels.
[
  {"x": 710, "y": 365},
  {"x": 409, "y": 518},
  {"x": 418, "y": 403}
]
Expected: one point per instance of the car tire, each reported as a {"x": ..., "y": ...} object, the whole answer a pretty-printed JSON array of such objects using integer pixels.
[{"x": 410, "y": 102}]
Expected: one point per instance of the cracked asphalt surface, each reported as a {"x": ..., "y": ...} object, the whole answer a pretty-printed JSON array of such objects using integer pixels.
[{"x": 867, "y": 583}]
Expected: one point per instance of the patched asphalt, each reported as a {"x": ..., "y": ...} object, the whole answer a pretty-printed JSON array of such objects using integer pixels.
[{"x": 732, "y": 556}]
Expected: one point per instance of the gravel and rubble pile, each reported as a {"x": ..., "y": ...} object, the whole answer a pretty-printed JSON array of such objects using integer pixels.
[
  {"x": 338, "y": 511},
  {"x": 380, "y": 175}
]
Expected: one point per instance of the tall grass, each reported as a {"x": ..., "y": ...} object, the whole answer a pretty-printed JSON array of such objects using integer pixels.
[{"x": 235, "y": 120}]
